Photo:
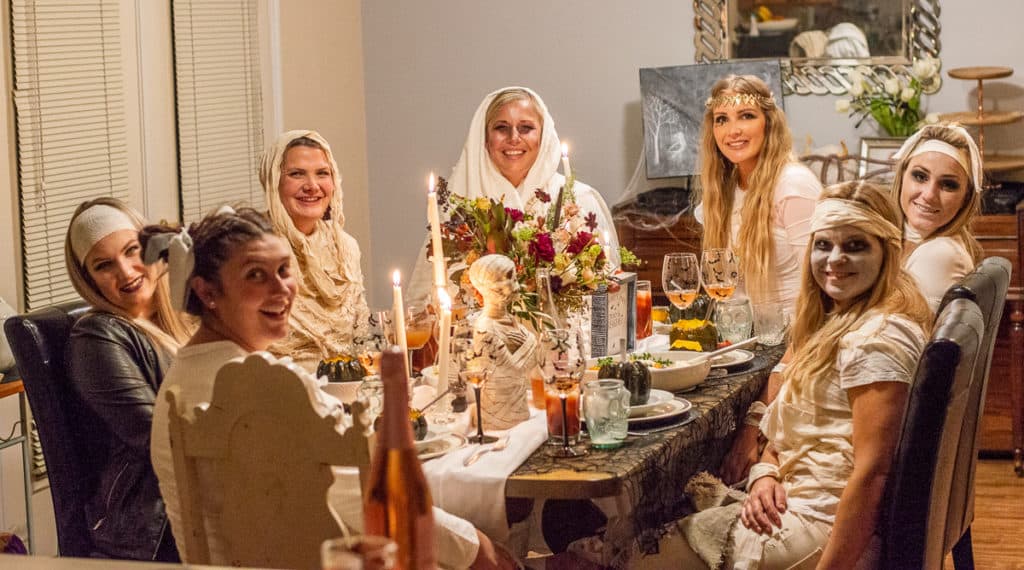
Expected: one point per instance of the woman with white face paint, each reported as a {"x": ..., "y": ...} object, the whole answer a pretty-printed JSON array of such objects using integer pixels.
[
  {"x": 938, "y": 184},
  {"x": 860, "y": 327}
]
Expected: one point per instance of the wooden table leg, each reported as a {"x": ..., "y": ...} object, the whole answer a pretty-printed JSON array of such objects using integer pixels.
[{"x": 1017, "y": 383}]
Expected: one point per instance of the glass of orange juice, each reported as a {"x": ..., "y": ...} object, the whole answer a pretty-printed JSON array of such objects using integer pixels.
[
  {"x": 680, "y": 278},
  {"x": 644, "y": 326}
]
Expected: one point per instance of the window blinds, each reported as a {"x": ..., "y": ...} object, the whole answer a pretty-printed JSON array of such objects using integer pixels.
[
  {"x": 70, "y": 127},
  {"x": 219, "y": 104}
]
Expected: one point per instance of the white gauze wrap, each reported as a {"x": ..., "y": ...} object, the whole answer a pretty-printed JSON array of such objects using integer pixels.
[
  {"x": 835, "y": 212},
  {"x": 969, "y": 160},
  {"x": 94, "y": 224}
]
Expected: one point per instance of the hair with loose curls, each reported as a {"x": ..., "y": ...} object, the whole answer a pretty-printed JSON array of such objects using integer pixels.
[
  {"x": 166, "y": 327},
  {"x": 819, "y": 326},
  {"x": 504, "y": 98},
  {"x": 214, "y": 240},
  {"x": 719, "y": 178},
  {"x": 960, "y": 225}
]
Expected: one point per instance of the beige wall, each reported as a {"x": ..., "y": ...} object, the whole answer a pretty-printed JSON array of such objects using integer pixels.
[{"x": 321, "y": 55}]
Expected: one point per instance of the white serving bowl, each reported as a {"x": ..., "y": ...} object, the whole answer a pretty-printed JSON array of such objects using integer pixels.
[{"x": 688, "y": 369}]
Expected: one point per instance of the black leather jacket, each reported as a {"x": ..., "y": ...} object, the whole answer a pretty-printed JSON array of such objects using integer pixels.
[{"x": 117, "y": 371}]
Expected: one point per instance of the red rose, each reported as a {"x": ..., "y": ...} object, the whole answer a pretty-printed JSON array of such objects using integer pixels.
[{"x": 542, "y": 248}]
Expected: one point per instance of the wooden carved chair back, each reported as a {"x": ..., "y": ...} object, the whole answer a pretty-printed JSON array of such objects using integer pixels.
[{"x": 262, "y": 442}]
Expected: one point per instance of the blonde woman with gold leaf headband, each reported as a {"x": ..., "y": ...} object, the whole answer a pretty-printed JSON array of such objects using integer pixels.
[
  {"x": 813, "y": 500},
  {"x": 938, "y": 186},
  {"x": 756, "y": 198}
]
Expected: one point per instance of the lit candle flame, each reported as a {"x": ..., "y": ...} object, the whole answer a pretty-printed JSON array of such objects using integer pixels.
[
  {"x": 445, "y": 299},
  {"x": 396, "y": 278},
  {"x": 565, "y": 150},
  {"x": 431, "y": 182}
]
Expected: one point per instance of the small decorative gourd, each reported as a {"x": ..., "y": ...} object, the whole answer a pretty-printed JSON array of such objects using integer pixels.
[
  {"x": 634, "y": 375},
  {"x": 341, "y": 369}
]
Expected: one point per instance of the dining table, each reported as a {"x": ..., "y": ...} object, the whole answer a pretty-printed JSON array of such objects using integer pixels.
[{"x": 644, "y": 478}]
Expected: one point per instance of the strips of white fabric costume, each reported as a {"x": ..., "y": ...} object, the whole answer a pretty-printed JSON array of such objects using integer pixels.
[{"x": 94, "y": 224}]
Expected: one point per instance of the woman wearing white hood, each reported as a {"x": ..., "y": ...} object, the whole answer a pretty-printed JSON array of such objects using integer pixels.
[{"x": 511, "y": 152}]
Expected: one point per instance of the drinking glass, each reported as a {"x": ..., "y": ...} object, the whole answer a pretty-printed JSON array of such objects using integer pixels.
[
  {"x": 476, "y": 371},
  {"x": 419, "y": 326},
  {"x": 369, "y": 345},
  {"x": 770, "y": 321},
  {"x": 371, "y": 393},
  {"x": 644, "y": 326},
  {"x": 734, "y": 319},
  {"x": 680, "y": 278},
  {"x": 719, "y": 272},
  {"x": 562, "y": 405},
  {"x": 606, "y": 409},
  {"x": 462, "y": 352},
  {"x": 363, "y": 552}
]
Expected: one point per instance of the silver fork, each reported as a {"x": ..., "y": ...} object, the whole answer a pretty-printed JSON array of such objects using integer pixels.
[{"x": 496, "y": 446}]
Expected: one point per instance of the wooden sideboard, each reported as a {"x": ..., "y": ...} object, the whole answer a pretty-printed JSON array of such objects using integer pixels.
[{"x": 1002, "y": 428}]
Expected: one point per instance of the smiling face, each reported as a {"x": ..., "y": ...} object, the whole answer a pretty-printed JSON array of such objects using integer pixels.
[
  {"x": 934, "y": 190},
  {"x": 739, "y": 133},
  {"x": 845, "y": 262},
  {"x": 254, "y": 297},
  {"x": 306, "y": 186},
  {"x": 513, "y": 139},
  {"x": 115, "y": 265}
]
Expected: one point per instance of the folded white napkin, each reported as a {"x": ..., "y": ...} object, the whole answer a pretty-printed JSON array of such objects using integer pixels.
[{"x": 477, "y": 493}]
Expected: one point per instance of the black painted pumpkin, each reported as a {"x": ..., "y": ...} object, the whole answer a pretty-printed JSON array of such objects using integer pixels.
[
  {"x": 341, "y": 369},
  {"x": 634, "y": 375}
]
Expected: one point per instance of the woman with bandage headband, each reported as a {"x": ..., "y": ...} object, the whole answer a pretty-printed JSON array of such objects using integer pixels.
[
  {"x": 117, "y": 356},
  {"x": 813, "y": 500},
  {"x": 938, "y": 185}
]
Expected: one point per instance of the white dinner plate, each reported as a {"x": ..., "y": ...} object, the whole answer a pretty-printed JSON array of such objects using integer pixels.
[
  {"x": 656, "y": 398},
  {"x": 734, "y": 358},
  {"x": 440, "y": 445},
  {"x": 663, "y": 411}
]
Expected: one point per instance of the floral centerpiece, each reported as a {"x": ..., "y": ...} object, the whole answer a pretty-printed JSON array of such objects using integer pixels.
[
  {"x": 895, "y": 104},
  {"x": 549, "y": 232}
]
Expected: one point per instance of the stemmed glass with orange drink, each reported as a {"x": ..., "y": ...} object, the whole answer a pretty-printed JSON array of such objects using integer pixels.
[
  {"x": 564, "y": 363},
  {"x": 680, "y": 279},
  {"x": 475, "y": 368},
  {"x": 419, "y": 326},
  {"x": 720, "y": 274}
]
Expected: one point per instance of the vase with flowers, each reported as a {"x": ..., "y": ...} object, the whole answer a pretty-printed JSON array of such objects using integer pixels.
[
  {"x": 550, "y": 233},
  {"x": 895, "y": 103}
]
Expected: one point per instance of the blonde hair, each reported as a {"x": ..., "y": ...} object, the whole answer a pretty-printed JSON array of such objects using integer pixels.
[
  {"x": 167, "y": 327},
  {"x": 960, "y": 225},
  {"x": 505, "y": 97},
  {"x": 819, "y": 325},
  {"x": 719, "y": 177}
]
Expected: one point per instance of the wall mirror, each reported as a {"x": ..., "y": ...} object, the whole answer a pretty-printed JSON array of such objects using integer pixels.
[{"x": 819, "y": 42}]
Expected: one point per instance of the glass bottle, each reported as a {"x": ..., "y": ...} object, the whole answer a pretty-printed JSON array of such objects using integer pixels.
[
  {"x": 546, "y": 298},
  {"x": 398, "y": 504}
]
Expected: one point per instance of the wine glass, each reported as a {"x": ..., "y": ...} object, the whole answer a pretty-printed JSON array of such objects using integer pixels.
[
  {"x": 719, "y": 272},
  {"x": 475, "y": 368},
  {"x": 680, "y": 279},
  {"x": 419, "y": 326},
  {"x": 564, "y": 364},
  {"x": 370, "y": 344}
]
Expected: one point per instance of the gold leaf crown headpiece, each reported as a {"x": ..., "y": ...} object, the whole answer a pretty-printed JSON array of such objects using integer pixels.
[{"x": 736, "y": 99}]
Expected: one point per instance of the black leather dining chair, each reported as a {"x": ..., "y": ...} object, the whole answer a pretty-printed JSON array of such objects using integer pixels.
[
  {"x": 987, "y": 286},
  {"x": 67, "y": 428},
  {"x": 916, "y": 509}
]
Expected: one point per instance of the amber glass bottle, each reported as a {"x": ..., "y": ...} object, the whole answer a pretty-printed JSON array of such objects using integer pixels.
[{"x": 397, "y": 503}]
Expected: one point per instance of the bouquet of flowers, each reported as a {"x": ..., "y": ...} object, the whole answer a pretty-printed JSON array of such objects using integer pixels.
[
  {"x": 550, "y": 232},
  {"x": 895, "y": 104}
]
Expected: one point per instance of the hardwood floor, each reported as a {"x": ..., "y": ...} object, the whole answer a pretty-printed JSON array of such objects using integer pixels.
[{"x": 998, "y": 529}]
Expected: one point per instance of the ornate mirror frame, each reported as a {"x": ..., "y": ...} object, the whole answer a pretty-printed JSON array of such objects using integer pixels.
[{"x": 824, "y": 76}]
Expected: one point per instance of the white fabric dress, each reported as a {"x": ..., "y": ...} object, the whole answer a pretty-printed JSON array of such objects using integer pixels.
[
  {"x": 814, "y": 440},
  {"x": 936, "y": 265},
  {"x": 193, "y": 371},
  {"x": 475, "y": 175},
  {"x": 796, "y": 193}
]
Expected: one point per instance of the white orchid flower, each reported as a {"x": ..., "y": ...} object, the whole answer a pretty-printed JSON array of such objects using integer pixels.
[
  {"x": 931, "y": 118},
  {"x": 925, "y": 68},
  {"x": 857, "y": 89},
  {"x": 892, "y": 86},
  {"x": 842, "y": 105},
  {"x": 907, "y": 94}
]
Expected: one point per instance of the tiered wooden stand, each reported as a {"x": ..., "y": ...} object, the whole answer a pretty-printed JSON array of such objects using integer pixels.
[{"x": 982, "y": 118}]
